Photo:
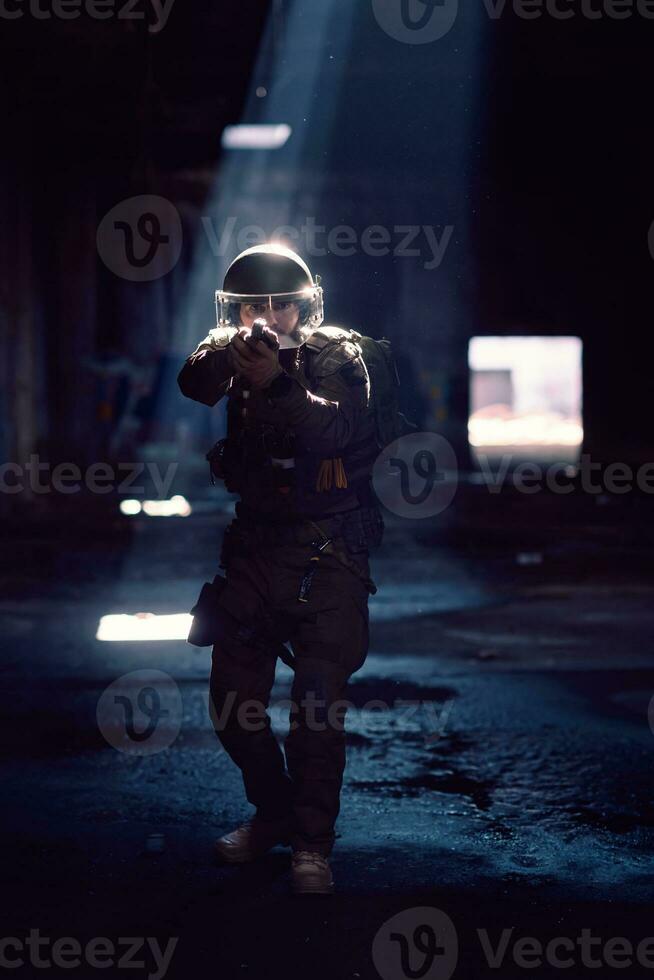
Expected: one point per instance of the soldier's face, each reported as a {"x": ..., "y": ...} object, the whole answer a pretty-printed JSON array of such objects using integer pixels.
[{"x": 281, "y": 317}]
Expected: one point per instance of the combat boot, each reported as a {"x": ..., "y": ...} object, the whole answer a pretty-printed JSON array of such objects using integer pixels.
[
  {"x": 252, "y": 839},
  {"x": 310, "y": 874}
]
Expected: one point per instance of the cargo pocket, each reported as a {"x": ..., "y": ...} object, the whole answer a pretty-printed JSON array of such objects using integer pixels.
[{"x": 337, "y": 632}]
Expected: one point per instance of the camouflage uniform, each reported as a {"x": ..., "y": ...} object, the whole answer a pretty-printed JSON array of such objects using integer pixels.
[{"x": 300, "y": 441}]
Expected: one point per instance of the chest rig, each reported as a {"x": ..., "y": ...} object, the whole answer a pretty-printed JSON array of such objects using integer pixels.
[
  {"x": 259, "y": 441},
  {"x": 268, "y": 445}
]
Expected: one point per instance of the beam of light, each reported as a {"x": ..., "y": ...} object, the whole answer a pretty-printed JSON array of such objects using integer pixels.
[
  {"x": 256, "y": 137},
  {"x": 261, "y": 189},
  {"x": 177, "y": 506},
  {"x": 143, "y": 626}
]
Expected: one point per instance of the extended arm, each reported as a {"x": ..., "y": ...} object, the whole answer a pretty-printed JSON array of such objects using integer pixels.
[
  {"x": 325, "y": 421},
  {"x": 206, "y": 374}
]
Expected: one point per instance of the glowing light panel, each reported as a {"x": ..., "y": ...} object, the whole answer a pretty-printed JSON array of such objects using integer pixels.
[{"x": 143, "y": 626}]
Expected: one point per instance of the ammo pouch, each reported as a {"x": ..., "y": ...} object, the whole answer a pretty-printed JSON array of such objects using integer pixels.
[
  {"x": 205, "y": 625},
  {"x": 226, "y": 463}
]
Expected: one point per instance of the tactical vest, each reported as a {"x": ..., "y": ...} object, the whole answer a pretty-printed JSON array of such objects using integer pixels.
[{"x": 272, "y": 452}]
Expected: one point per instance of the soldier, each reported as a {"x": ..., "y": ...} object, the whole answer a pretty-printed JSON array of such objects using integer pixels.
[{"x": 299, "y": 451}]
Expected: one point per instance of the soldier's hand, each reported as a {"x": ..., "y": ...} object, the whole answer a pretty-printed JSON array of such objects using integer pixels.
[
  {"x": 231, "y": 363},
  {"x": 269, "y": 337},
  {"x": 256, "y": 360}
]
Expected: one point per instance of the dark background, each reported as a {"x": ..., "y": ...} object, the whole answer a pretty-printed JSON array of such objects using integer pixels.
[{"x": 530, "y": 137}]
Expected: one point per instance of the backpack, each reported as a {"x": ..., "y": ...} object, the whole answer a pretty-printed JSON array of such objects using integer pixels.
[
  {"x": 390, "y": 423},
  {"x": 379, "y": 359}
]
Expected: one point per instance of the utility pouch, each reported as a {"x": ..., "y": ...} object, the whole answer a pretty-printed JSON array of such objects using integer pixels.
[
  {"x": 226, "y": 464},
  {"x": 205, "y": 626}
]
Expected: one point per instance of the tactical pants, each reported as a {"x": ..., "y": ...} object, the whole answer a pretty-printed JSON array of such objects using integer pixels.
[{"x": 329, "y": 638}]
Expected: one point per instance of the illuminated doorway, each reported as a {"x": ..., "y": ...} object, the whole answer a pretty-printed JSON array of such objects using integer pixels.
[{"x": 525, "y": 398}]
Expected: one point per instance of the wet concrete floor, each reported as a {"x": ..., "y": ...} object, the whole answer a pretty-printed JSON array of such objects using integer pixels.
[{"x": 505, "y": 779}]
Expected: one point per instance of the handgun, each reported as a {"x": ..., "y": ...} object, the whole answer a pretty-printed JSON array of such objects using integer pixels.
[{"x": 256, "y": 333}]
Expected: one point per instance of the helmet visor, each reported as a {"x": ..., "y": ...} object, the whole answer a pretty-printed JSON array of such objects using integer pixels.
[{"x": 309, "y": 302}]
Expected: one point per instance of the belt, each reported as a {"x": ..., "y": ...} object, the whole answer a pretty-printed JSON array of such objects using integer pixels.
[
  {"x": 304, "y": 531},
  {"x": 300, "y": 530}
]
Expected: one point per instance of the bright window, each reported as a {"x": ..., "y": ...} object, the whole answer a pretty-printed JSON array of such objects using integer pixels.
[{"x": 526, "y": 397}]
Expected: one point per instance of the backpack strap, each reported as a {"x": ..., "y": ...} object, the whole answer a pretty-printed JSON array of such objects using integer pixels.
[{"x": 333, "y": 349}]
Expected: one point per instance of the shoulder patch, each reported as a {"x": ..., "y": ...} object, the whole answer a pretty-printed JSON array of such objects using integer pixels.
[
  {"x": 217, "y": 339},
  {"x": 321, "y": 337},
  {"x": 220, "y": 336}
]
